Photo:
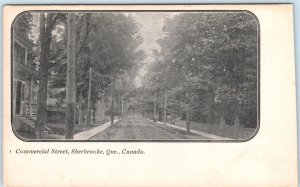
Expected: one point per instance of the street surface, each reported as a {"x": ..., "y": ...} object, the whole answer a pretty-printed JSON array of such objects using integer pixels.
[{"x": 139, "y": 128}]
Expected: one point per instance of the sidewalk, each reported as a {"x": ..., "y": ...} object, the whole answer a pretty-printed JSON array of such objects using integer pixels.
[
  {"x": 85, "y": 135},
  {"x": 210, "y": 136}
]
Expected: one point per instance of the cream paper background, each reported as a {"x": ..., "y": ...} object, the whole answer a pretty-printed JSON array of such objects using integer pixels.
[{"x": 269, "y": 159}]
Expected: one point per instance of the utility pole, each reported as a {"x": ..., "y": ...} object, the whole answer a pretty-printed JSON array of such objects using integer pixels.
[
  {"x": 71, "y": 85},
  {"x": 88, "y": 118},
  {"x": 165, "y": 108}
]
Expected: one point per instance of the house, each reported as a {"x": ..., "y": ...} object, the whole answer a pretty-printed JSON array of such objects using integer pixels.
[
  {"x": 24, "y": 85},
  {"x": 25, "y": 76}
]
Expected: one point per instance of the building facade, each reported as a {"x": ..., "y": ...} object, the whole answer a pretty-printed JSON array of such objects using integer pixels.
[{"x": 25, "y": 76}]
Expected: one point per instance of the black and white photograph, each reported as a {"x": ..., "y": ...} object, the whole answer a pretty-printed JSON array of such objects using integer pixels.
[
  {"x": 135, "y": 76},
  {"x": 179, "y": 95}
]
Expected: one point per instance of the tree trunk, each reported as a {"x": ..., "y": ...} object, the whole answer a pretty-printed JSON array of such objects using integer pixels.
[
  {"x": 181, "y": 111},
  {"x": 99, "y": 109},
  {"x": 140, "y": 112},
  {"x": 94, "y": 114},
  {"x": 71, "y": 85},
  {"x": 119, "y": 105},
  {"x": 160, "y": 115},
  {"x": 45, "y": 39},
  {"x": 165, "y": 108},
  {"x": 83, "y": 116},
  {"x": 154, "y": 110},
  {"x": 211, "y": 117},
  {"x": 79, "y": 115},
  {"x": 80, "y": 109},
  {"x": 112, "y": 111},
  {"x": 122, "y": 106},
  {"x": 103, "y": 106},
  {"x": 187, "y": 114},
  {"x": 88, "y": 118}
]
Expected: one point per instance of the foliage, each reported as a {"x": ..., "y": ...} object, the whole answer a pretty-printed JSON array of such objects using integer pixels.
[
  {"x": 23, "y": 24},
  {"x": 207, "y": 56}
]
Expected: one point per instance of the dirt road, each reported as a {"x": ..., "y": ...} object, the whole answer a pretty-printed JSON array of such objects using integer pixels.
[{"x": 139, "y": 128}]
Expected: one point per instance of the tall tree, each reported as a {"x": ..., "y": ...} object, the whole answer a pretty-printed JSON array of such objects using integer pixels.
[
  {"x": 47, "y": 24},
  {"x": 88, "y": 117},
  {"x": 112, "y": 107},
  {"x": 71, "y": 84},
  {"x": 108, "y": 43},
  {"x": 208, "y": 56}
]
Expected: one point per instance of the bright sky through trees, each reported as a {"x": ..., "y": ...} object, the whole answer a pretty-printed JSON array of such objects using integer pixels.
[{"x": 151, "y": 24}]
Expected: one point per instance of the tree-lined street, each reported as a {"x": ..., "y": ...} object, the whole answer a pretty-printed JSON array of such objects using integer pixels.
[{"x": 200, "y": 68}]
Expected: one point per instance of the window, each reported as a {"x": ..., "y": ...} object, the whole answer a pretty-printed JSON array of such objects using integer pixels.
[{"x": 19, "y": 53}]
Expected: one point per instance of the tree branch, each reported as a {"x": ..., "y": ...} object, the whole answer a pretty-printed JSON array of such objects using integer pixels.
[
  {"x": 53, "y": 20},
  {"x": 86, "y": 29}
]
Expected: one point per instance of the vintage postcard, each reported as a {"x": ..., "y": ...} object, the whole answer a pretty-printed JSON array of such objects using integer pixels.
[{"x": 149, "y": 95}]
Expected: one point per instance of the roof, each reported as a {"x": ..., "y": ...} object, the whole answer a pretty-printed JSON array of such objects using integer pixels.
[{"x": 22, "y": 38}]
